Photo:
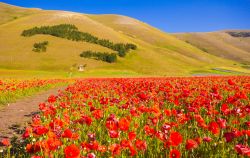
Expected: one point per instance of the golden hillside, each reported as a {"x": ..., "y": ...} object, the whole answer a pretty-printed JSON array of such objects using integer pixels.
[
  {"x": 221, "y": 44},
  {"x": 158, "y": 53}
]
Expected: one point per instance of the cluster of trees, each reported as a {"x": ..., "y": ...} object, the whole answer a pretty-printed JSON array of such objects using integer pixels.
[
  {"x": 56, "y": 30},
  {"x": 239, "y": 34},
  {"x": 71, "y": 32},
  {"x": 40, "y": 47},
  {"x": 107, "y": 57}
]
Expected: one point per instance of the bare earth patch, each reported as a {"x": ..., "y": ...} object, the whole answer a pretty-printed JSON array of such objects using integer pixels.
[{"x": 15, "y": 116}]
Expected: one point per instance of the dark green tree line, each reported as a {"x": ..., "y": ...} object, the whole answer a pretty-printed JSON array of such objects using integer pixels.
[
  {"x": 71, "y": 32},
  {"x": 107, "y": 57}
]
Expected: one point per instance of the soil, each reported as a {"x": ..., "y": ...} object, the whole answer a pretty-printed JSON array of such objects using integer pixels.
[{"x": 15, "y": 116}]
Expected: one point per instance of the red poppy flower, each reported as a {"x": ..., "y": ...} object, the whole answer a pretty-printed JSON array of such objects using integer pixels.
[
  {"x": 125, "y": 143},
  {"x": 214, "y": 128},
  {"x": 53, "y": 143},
  {"x": 91, "y": 136},
  {"x": 27, "y": 132},
  {"x": 97, "y": 114},
  {"x": 222, "y": 123},
  {"x": 140, "y": 144},
  {"x": 56, "y": 124},
  {"x": 114, "y": 134},
  {"x": 207, "y": 139},
  {"x": 175, "y": 138},
  {"x": 124, "y": 124},
  {"x": 231, "y": 82},
  {"x": 52, "y": 99},
  {"x": 142, "y": 96},
  {"x": 67, "y": 133},
  {"x": 33, "y": 148},
  {"x": 91, "y": 155},
  {"x": 112, "y": 123},
  {"x": 5, "y": 142},
  {"x": 246, "y": 132},
  {"x": 131, "y": 135},
  {"x": 191, "y": 144},
  {"x": 247, "y": 123},
  {"x": 85, "y": 120},
  {"x": 175, "y": 153},
  {"x": 40, "y": 130},
  {"x": 102, "y": 148},
  {"x": 167, "y": 112},
  {"x": 148, "y": 130},
  {"x": 229, "y": 136},
  {"x": 132, "y": 150},
  {"x": 225, "y": 109},
  {"x": 93, "y": 145},
  {"x": 36, "y": 156},
  {"x": 115, "y": 149},
  {"x": 243, "y": 150},
  {"x": 72, "y": 151}
]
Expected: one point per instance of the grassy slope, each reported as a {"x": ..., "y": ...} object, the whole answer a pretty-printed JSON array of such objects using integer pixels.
[
  {"x": 158, "y": 53},
  {"x": 220, "y": 44},
  {"x": 9, "y": 13}
]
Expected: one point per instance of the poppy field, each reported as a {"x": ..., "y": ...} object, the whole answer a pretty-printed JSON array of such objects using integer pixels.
[
  {"x": 10, "y": 90},
  {"x": 144, "y": 117}
]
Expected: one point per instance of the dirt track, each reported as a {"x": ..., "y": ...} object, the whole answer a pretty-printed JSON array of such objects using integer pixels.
[{"x": 15, "y": 116}]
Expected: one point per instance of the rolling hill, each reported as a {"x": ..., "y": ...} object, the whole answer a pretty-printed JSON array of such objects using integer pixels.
[
  {"x": 221, "y": 44},
  {"x": 158, "y": 53}
]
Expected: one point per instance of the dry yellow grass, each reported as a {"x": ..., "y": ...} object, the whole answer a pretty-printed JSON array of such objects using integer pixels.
[{"x": 220, "y": 44}]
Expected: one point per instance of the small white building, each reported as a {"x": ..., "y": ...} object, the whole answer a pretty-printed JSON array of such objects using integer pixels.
[{"x": 81, "y": 68}]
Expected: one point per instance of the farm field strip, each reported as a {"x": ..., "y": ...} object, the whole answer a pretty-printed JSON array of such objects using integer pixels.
[
  {"x": 12, "y": 89},
  {"x": 143, "y": 117}
]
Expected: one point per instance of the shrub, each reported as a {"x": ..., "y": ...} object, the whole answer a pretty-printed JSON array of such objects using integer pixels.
[{"x": 40, "y": 47}]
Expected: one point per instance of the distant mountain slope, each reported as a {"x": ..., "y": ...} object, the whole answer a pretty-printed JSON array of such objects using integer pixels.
[
  {"x": 9, "y": 12},
  {"x": 158, "y": 53},
  {"x": 221, "y": 44}
]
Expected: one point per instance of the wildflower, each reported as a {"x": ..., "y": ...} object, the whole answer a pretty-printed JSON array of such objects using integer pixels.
[
  {"x": 231, "y": 82},
  {"x": 114, "y": 134},
  {"x": 33, "y": 148},
  {"x": 207, "y": 139},
  {"x": 174, "y": 153},
  {"x": 97, "y": 114},
  {"x": 72, "y": 151},
  {"x": 67, "y": 133},
  {"x": 142, "y": 96},
  {"x": 229, "y": 136},
  {"x": 140, "y": 144},
  {"x": 91, "y": 155},
  {"x": 115, "y": 149},
  {"x": 243, "y": 150},
  {"x": 124, "y": 124},
  {"x": 40, "y": 130},
  {"x": 131, "y": 135},
  {"x": 52, "y": 99},
  {"x": 191, "y": 144},
  {"x": 214, "y": 128},
  {"x": 5, "y": 142},
  {"x": 53, "y": 143},
  {"x": 175, "y": 138}
]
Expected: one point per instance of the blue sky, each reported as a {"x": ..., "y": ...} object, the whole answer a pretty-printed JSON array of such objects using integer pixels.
[{"x": 167, "y": 15}]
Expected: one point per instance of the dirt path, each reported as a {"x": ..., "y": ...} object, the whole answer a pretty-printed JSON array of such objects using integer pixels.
[{"x": 15, "y": 116}]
